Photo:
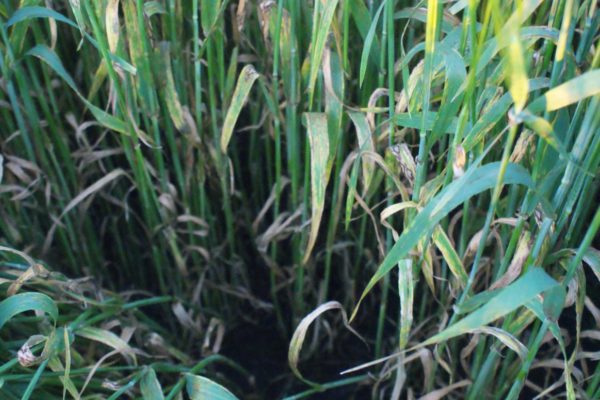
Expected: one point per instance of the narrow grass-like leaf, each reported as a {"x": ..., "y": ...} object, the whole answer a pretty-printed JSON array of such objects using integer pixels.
[
  {"x": 50, "y": 58},
  {"x": 27, "y": 13},
  {"x": 170, "y": 93},
  {"x": 516, "y": 67},
  {"x": 108, "y": 338},
  {"x": 475, "y": 180},
  {"x": 302, "y": 330},
  {"x": 153, "y": 8},
  {"x": 365, "y": 143},
  {"x": 316, "y": 124},
  {"x": 29, "y": 301},
  {"x": 95, "y": 187},
  {"x": 444, "y": 245},
  {"x": 509, "y": 340},
  {"x": 417, "y": 120},
  {"x": 201, "y": 388},
  {"x": 406, "y": 288},
  {"x": 318, "y": 44},
  {"x": 209, "y": 14},
  {"x": 34, "y": 380},
  {"x": 570, "y": 92},
  {"x": 245, "y": 81},
  {"x": 592, "y": 258},
  {"x": 517, "y": 294},
  {"x": 150, "y": 387},
  {"x": 112, "y": 24},
  {"x": 366, "y": 51}
]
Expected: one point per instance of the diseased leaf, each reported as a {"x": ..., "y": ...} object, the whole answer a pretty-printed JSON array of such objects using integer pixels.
[
  {"x": 365, "y": 143},
  {"x": 112, "y": 24},
  {"x": 316, "y": 124},
  {"x": 474, "y": 181},
  {"x": 201, "y": 388},
  {"x": 318, "y": 43},
  {"x": 570, "y": 92},
  {"x": 508, "y": 299},
  {"x": 302, "y": 330},
  {"x": 245, "y": 81}
]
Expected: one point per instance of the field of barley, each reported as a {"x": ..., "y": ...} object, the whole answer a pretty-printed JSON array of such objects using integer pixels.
[{"x": 320, "y": 199}]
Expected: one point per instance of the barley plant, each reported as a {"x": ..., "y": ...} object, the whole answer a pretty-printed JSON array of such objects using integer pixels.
[{"x": 326, "y": 199}]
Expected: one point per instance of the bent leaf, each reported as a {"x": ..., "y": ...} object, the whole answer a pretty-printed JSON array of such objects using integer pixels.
[
  {"x": 29, "y": 301},
  {"x": 201, "y": 388},
  {"x": 474, "y": 181},
  {"x": 508, "y": 299},
  {"x": 302, "y": 329}
]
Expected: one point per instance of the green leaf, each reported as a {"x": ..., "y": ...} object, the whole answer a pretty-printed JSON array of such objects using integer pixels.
[
  {"x": 420, "y": 14},
  {"x": 508, "y": 299},
  {"x": 209, "y": 15},
  {"x": 366, "y": 51},
  {"x": 150, "y": 387},
  {"x": 245, "y": 81},
  {"x": 362, "y": 18},
  {"x": 592, "y": 258},
  {"x": 444, "y": 245},
  {"x": 496, "y": 112},
  {"x": 318, "y": 136},
  {"x": 318, "y": 44},
  {"x": 49, "y": 57},
  {"x": 474, "y": 181},
  {"x": 570, "y": 92},
  {"x": 543, "y": 128},
  {"x": 153, "y": 7},
  {"x": 516, "y": 68},
  {"x": 28, "y": 301},
  {"x": 201, "y": 388},
  {"x": 416, "y": 121},
  {"x": 34, "y": 380},
  {"x": 108, "y": 338},
  {"x": 27, "y": 13},
  {"x": 365, "y": 143}
]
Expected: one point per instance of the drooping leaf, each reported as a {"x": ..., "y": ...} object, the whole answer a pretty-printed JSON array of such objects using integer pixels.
[
  {"x": 508, "y": 299},
  {"x": 50, "y": 58},
  {"x": 474, "y": 181},
  {"x": 28, "y": 301},
  {"x": 27, "y": 13},
  {"x": 201, "y": 388},
  {"x": 302, "y": 330}
]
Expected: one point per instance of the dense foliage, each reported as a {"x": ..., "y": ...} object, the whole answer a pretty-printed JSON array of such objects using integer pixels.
[{"x": 198, "y": 191}]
